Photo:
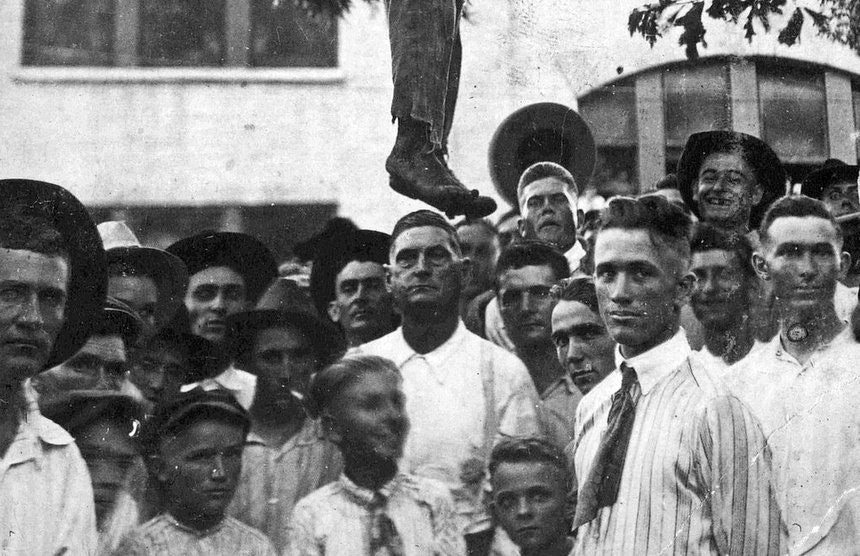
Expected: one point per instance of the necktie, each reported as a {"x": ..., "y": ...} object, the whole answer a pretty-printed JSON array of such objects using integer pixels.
[
  {"x": 604, "y": 478},
  {"x": 384, "y": 539}
]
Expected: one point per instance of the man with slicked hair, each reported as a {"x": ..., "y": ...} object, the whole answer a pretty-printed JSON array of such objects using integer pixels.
[
  {"x": 665, "y": 457},
  {"x": 462, "y": 393}
]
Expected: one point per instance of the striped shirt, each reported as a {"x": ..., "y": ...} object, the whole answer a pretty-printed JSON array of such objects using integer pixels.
[
  {"x": 336, "y": 520},
  {"x": 810, "y": 417},
  {"x": 274, "y": 478},
  {"x": 696, "y": 478},
  {"x": 164, "y": 536}
]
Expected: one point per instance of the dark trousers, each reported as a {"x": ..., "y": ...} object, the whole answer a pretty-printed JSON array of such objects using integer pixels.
[{"x": 479, "y": 544}]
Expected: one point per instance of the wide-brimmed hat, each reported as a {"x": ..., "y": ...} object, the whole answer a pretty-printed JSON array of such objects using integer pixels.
[
  {"x": 832, "y": 171},
  {"x": 240, "y": 252},
  {"x": 540, "y": 132},
  {"x": 87, "y": 263},
  {"x": 166, "y": 269},
  {"x": 73, "y": 409},
  {"x": 359, "y": 245},
  {"x": 767, "y": 166},
  {"x": 274, "y": 309}
]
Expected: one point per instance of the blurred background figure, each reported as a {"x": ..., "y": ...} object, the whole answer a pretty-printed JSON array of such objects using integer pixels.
[
  {"x": 480, "y": 242},
  {"x": 150, "y": 281}
]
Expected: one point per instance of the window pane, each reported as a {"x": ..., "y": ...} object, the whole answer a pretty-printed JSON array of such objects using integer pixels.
[
  {"x": 68, "y": 33},
  {"x": 181, "y": 33},
  {"x": 284, "y": 35},
  {"x": 793, "y": 113},
  {"x": 611, "y": 114},
  {"x": 697, "y": 99}
]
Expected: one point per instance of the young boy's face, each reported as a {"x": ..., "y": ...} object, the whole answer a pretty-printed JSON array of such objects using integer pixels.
[
  {"x": 369, "y": 419},
  {"x": 200, "y": 468},
  {"x": 529, "y": 504}
]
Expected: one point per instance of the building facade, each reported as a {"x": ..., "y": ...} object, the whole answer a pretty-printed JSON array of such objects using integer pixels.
[{"x": 263, "y": 119}]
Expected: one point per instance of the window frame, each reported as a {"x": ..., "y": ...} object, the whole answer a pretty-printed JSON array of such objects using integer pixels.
[{"x": 238, "y": 35}]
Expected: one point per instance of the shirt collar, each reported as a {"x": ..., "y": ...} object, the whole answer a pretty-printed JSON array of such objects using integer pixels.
[
  {"x": 33, "y": 430},
  {"x": 776, "y": 347},
  {"x": 196, "y": 532},
  {"x": 574, "y": 256},
  {"x": 310, "y": 433},
  {"x": 564, "y": 381},
  {"x": 402, "y": 352},
  {"x": 656, "y": 363},
  {"x": 364, "y": 496}
]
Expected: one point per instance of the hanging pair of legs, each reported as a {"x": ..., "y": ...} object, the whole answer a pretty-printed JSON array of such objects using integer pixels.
[{"x": 426, "y": 56}]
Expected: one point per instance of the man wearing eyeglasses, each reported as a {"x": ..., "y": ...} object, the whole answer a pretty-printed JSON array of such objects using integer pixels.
[
  {"x": 462, "y": 393},
  {"x": 525, "y": 275}
]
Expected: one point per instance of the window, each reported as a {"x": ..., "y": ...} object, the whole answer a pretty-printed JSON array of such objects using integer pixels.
[
  {"x": 184, "y": 33},
  {"x": 610, "y": 112},
  {"x": 695, "y": 99},
  {"x": 793, "y": 111}
]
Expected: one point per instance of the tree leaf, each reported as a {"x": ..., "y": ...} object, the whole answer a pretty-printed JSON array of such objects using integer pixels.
[{"x": 791, "y": 33}]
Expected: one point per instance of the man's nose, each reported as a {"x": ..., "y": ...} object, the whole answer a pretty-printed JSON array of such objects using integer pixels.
[
  {"x": 218, "y": 470},
  {"x": 31, "y": 311},
  {"x": 524, "y": 508},
  {"x": 621, "y": 289},
  {"x": 575, "y": 351}
]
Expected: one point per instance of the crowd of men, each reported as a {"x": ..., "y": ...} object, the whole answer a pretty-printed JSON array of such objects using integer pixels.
[{"x": 672, "y": 374}]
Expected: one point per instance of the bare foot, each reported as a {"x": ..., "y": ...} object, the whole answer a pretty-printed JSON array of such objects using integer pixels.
[{"x": 422, "y": 176}]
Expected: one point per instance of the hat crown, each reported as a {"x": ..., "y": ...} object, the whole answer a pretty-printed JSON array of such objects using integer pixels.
[
  {"x": 116, "y": 234},
  {"x": 284, "y": 294}
]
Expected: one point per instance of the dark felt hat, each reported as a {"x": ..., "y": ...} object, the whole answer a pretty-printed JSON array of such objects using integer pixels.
[
  {"x": 166, "y": 269},
  {"x": 240, "y": 252},
  {"x": 73, "y": 409},
  {"x": 832, "y": 171},
  {"x": 769, "y": 171},
  {"x": 87, "y": 263},
  {"x": 326, "y": 341},
  {"x": 540, "y": 132},
  {"x": 171, "y": 413},
  {"x": 359, "y": 245}
]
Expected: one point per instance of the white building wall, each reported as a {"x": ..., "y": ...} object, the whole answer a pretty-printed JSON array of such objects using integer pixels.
[{"x": 135, "y": 137}]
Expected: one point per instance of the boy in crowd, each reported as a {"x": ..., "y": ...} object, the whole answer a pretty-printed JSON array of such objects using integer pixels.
[
  {"x": 372, "y": 509},
  {"x": 104, "y": 424},
  {"x": 193, "y": 446},
  {"x": 725, "y": 282},
  {"x": 529, "y": 479},
  {"x": 583, "y": 344},
  {"x": 286, "y": 456},
  {"x": 525, "y": 276}
]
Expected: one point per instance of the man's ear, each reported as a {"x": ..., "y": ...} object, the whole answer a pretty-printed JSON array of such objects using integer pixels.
[
  {"x": 465, "y": 264},
  {"x": 686, "y": 284},
  {"x": 756, "y": 194},
  {"x": 334, "y": 311},
  {"x": 580, "y": 217},
  {"x": 330, "y": 427},
  {"x": 521, "y": 227},
  {"x": 760, "y": 266},
  {"x": 387, "y": 269}
]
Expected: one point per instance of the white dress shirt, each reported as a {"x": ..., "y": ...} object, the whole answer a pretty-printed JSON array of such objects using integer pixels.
[
  {"x": 445, "y": 394},
  {"x": 810, "y": 416}
]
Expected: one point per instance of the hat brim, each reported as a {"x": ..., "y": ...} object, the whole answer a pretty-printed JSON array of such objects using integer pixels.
[
  {"x": 326, "y": 342},
  {"x": 362, "y": 245},
  {"x": 166, "y": 270},
  {"x": 769, "y": 171},
  {"x": 240, "y": 252},
  {"x": 87, "y": 285},
  {"x": 75, "y": 408},
  {"x": 541, "y": 132},
  {"x": 814, "y": 184}
]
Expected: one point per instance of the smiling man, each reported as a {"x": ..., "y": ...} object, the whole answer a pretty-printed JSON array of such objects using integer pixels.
[
  {"x": 462, "y": 392},
  {"x": 53, "y": 278},
  {"x": 729, "y": 179},
  {"x": 802, "y": 384},
  {"x": 662, "y": 413},
  {"x": 725, "y": 279}
]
